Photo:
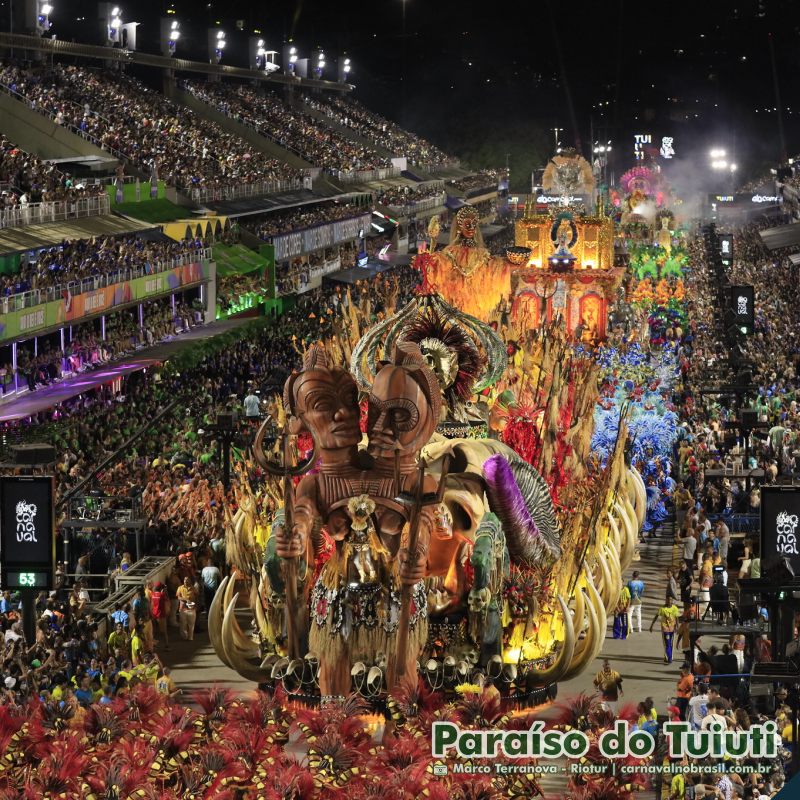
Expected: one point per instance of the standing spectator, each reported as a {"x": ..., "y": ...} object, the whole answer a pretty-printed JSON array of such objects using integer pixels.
[
  {"x": 119, "y": 642},
  {"x": 636, "y": 589},
  {"x": 137, "y": 646},
  {"x": 252, "y": 405},
  {"x": 689, "y": 547},
  {"x": 187, "y": 608},
  {"x": 159, "y": 609},
  {"x": 142, "y": 619},
  {"x": 211, "y": 577},
  {"x": 684, "y": 690},
  {"x": 609, "y": 683},
  {"x": 667, "y": 615},
  {"x": 673, "y": 590}
]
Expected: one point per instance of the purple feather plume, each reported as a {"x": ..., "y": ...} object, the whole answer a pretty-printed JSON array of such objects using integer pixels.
[{"x": 526, "y": 544}]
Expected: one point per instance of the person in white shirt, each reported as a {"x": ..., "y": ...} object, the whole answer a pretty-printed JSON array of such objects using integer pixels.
[
  {"x": 252, "y": 405},
  {"x": 714, "y": 716}
]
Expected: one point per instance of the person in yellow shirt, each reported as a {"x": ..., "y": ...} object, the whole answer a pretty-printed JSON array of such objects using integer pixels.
[
  {"x": 621, "y": 614},
  {"x": 137, "y": 646},
  {"x": 668, "y": 616},
  {"x": 187, "y": 608},
  {"x": 165, "y": 685}
]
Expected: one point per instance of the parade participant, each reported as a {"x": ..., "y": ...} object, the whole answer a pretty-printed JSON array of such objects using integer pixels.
[
  {"x": 187, "y": 608},
  {"x": 609, "y": 683},
  {"x": 636, "y": 589},
  {"x": 159, "y": 607},
  {"x": 621, "y": 614},
  {"x": 668, "y": 616}
]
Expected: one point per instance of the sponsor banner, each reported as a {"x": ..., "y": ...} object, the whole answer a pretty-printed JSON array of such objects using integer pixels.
[
  {"x": 289, "y": 245},
  {"x": 71, "y": 308}
]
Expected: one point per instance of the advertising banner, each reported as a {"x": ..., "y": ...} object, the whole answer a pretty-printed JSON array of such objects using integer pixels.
[{"x": 73, "y": 308}]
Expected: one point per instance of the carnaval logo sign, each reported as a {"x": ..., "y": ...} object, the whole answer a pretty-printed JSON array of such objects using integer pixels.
[
  {"x": 741, "y": 305},
  {"x": 786, "y": 527},
  {"x": 26, "y": 529}
]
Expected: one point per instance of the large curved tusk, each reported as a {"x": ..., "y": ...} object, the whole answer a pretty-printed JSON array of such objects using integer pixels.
[
  {"x": 633, "y": 534},
  {"x": 612, "y": 559},
  {"x": 616, "y": 536},
  {"x": 234, "y": 639},
  {"x": 258, "y": 609},
  {"x": 579, "y": 616},
  {"x": 641, "y": 495},
  {"x": 244, "y": 656},
  {"x": 561, "y": 664},
  {"x": 215, "y": 622},
  {"x": 606, "y": 587},
  {"x": 584, "y": 650},
  {"x": 596, "y": 604}
]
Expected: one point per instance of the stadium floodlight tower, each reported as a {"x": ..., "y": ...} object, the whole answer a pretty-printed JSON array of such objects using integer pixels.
[
  {"x": 318, "y": 63},
  {"x": 170, "y": 34},
  {"x": 289, "y": 58},
  {"x": 111, "y": 23},
  {"x": 216, "y": 45},
  {"x": 262, "y": 59},
  {"x": 345, "y": 66},
  {"x": 37, "y": 16}
]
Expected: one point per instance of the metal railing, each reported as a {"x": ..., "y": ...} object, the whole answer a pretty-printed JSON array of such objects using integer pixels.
[
  {"x": 93, "y": 508},
  {"x": 418, "y": 205},
  {"x": 54, "y": 211},
  {"x": 35, "y": 297},
  {"x": 219, "y": 193}
]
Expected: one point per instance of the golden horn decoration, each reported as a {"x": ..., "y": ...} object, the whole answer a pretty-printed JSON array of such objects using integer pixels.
[
  {"x": 596, "y": 603},
  {"x": 234, "y": 639},
  {"x": 584, "y": 650},
  {"x": 554, "y": 672},
  {"x": 244, "y": 660},
  {"x": 215, "y": 622},
  {"x": 258, "y": 609},
  {"x": 580, "y": 612}
]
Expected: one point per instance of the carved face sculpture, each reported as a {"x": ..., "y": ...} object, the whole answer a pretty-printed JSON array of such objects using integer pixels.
[
  {"x": 325, "y": 403},
  {"x": 402, "y": 414},
  {"x": 467, "y": 222}
]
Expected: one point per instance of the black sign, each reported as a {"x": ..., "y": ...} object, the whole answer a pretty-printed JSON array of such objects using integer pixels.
[
  {"x": 741, "y": 306},
  {"x": 780, "y": 528},
  {"x": 27, "y": 543}
]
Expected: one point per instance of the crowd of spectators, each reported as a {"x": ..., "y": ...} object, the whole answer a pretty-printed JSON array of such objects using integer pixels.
[
  {"x": 124, "y": 115},
  {"x": 26, "y": 179},
  {"x": 74, "y": 260},
  {"x": 380, "y": 131},
  {"x": 404, "y": 197},
  {"x": 88, "y": 350},
  {"x": 301, "y": 217},
  {"x": 486, "y": 179},
  {"x": 299, "y": 132},
  {"x": 174, "y": 469}
]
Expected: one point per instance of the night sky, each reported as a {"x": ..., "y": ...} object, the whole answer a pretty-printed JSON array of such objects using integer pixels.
[{"x": 490, "y": 79}]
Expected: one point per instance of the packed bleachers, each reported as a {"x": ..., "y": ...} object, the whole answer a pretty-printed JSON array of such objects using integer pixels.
[
  {"x": 301, "y": 133},
  {"x": 486, "y": 179},
  {"x": 291, "y": 219},
  {"x": 380, "y": 131},
  {"x": 123, "y": 115},
  {"x": 60, "y": 267}
]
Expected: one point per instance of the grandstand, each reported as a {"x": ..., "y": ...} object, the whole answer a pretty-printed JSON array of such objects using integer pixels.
[{"x": 138, "y": 215}]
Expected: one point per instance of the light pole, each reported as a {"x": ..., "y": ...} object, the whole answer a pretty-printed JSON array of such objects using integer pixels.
[{"x": 403, "y": 75}]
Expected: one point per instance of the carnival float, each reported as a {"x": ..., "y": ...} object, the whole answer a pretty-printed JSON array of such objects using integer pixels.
[{"x": 431, "y": 515}]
